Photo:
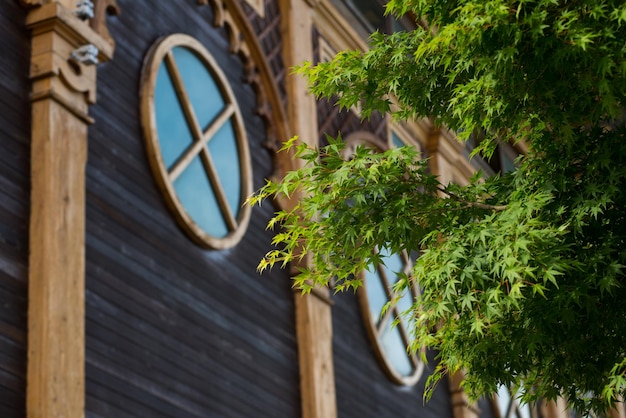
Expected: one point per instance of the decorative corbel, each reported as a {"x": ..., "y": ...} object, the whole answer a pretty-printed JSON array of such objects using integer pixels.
[
  {"x": 102, "y": 9},
  {"x": 64, "y": 49}
]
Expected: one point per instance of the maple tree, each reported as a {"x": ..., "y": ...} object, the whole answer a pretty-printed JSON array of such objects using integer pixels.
[{"x": 521, "y": 274}]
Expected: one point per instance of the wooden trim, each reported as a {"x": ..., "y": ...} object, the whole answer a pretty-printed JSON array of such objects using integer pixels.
[
  {"x": 313, "y": 314},
  {"x": 220, "y": 194},
  {"x": 336, "y": 29},
  {"x": 366, "y": 138},
  {"x": 98, "y": 23},
  {"x": 409, "y": 137},
  {"x": 245, "y": 43},
  {"x": 161, "y": 52},
  {"x": 258, "y": 6},
  {"x": 314, "y": 329},
  {"x": 70, "y": 106},
  {"x": 56, "y": 312},
  {"x": 461, "y": 407},
  {"x": 197, "y": 146},
  {"x": 376, "y": 328},
  {"x": 64, "y": 21}
]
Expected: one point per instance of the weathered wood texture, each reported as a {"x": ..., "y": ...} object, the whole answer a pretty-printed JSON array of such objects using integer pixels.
[
  {"x": 174, "y": 330},
  {"x": 313, "y": 313},
  {"x": 14, "y": 206},
  {"x": 363, "y": 389},
  {"x": 56, "y": 269}
]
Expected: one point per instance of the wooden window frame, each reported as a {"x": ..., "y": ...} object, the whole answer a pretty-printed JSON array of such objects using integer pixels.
[
  {"x": 404, "y": 135},
  {"x": 513, "y": 408},
  {"x": 161, "y": 52},
  {"x": 375, "y": 327},
  {"x": 258, "y": 6}
]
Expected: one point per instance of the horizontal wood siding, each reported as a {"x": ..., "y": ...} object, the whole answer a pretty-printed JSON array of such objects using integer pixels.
[
  {"x": 14, "y": 206},
  {"x": 363, "y": 389},
  {"x": 174, "y": 330}
]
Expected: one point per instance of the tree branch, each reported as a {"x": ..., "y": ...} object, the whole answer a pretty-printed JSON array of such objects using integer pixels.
[{"x": 479, "y": 205}]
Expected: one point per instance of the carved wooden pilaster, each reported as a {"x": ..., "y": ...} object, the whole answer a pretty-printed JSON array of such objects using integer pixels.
[
  {"x": 63, "y": 87},
  {"x": 313, "y": 312},
  {"x": 461, "y": 407}
]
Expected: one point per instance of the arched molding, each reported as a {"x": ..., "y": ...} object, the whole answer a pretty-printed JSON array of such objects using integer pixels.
[
  {"x": 366, "y": 139},
  {"x": 244, "y": 42}
]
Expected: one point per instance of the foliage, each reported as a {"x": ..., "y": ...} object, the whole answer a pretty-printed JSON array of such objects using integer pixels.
[{"x": 522, "y": 274}]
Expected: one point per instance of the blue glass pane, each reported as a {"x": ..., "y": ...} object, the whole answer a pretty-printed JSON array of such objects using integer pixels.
[
  {"x": 375, "y": 294},
  {"x": 507, "y": 165},
  {"x": 172, "y": 129},
  {"x": 503, "y": 399},
  {"x": 223, "y": 149},
  {"x": 393, "y": 265},
  {"x": 404, "y": 304},
  {"x": 204, "y": 95},
  {"x": 196, "y": 195},
  {"x": 524, "y": 411},
  {"x": 397, "y": 142},
  {"x": 395, "y": 350}
]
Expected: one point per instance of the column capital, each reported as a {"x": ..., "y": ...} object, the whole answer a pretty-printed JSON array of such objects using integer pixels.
[{"x": 65, "y": 51}]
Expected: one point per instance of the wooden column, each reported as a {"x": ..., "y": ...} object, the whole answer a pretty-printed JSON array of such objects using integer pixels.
[
  {"x": 461, "y": 407},
  {"x": 314, "y": 332},
  {"x": 313, "y": 311},
  {"x": 62, "y": 90}
]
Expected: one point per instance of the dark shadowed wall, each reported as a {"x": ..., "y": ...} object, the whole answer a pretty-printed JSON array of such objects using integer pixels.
[{"x": 14, "y": 206}]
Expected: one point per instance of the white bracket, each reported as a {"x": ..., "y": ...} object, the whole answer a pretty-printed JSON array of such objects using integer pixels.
[
  {"x": 84, "y": 9},
  {"x": 86, "y": 54}
]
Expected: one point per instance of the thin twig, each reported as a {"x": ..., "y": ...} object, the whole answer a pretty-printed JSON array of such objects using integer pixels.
[{"x": 479, "y": 205}]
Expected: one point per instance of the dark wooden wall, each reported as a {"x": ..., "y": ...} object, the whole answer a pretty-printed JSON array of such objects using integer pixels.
[
  {"x": 174, "y": 330},
  {"x": 14, "y": 206},
  {"x": 363, "y": 388}
]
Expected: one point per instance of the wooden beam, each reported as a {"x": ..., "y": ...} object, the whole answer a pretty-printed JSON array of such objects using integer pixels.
[
  {"x": 313, "y": 311},
  {"x": 461, "y": 407},
  {"x": 314, "y": 331},
  {"x": 56, "y": 312}
]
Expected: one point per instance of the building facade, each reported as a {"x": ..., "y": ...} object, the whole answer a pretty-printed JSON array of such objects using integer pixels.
[{"x": 131, "y": 132}]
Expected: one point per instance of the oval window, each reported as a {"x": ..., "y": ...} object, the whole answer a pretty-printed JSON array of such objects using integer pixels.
[
  {"x": 390, "y": 332},
  {"x": 391, "y": 341},
  {"x": 196, "y": 141}
]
